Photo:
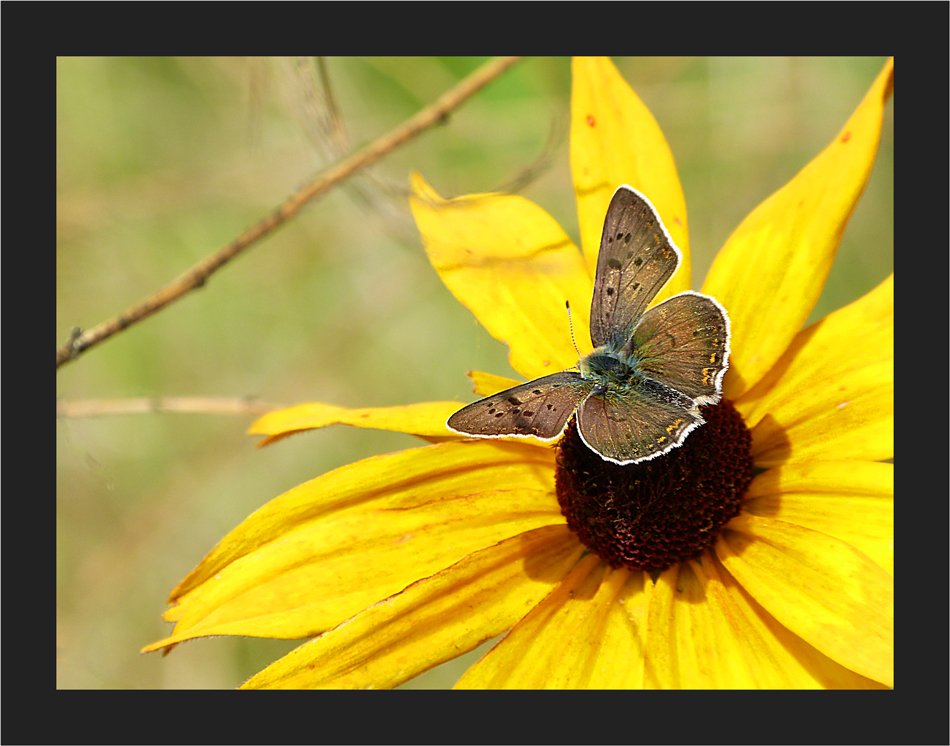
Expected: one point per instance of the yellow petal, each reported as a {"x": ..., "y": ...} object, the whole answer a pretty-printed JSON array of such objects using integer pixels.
[
  {"x": 615, "y": 140},
  {"x": 852, "y": 337},
  {"x": 487, "y": 384},
  {"x": 830, "y": 395},
  {"x": 849, "y": 416},
  {"x": 332, "y": 546},
  {"x": 705, "y": 632},
  {"x": 513, "y": 266},
  {"x": 772, "y": 269},
  {"x": 577, "y": 637},
  {"x": 624, "y": 635},
  {"x": 850, "y": 500},
  {"x": 433, "y": 620},
  {"x": 425, "y": 420},
  {"x": 831, "y": 595}
]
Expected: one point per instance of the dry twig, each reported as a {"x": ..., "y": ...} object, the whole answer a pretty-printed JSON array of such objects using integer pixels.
[
  {"x": 195, "y": 277},
  {"x": 188, "y": 404}
]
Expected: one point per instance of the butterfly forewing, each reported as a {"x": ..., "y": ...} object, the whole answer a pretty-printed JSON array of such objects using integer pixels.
[
  {"x": 637, "y": 258},
  {"x": 540, "y": 408},
  {"x": 637, "y": 426},
  {"x": 684, "y": 344}
]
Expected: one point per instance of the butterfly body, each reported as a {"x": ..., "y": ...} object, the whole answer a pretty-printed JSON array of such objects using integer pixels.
[
  {"x": 608, "y": 370},
  {"x": 637, "y": 395}
]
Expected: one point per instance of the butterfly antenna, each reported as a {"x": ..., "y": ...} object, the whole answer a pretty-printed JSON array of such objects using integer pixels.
[{"x": 570, "y": 323}]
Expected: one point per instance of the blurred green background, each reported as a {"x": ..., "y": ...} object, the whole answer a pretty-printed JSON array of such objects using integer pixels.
[{"x": 161, "y": 161}]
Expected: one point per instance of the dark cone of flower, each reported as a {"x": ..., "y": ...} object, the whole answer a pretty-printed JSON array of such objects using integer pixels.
[{"x": 653, "y": 514}]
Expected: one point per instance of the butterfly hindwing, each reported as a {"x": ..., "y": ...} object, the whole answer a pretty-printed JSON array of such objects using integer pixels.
[
  {"x": 684, "y": 343},
  {"x": 638, "y": 425},
  {"x": 540, "y": 408},
  {"x": 637, "y": 257}
]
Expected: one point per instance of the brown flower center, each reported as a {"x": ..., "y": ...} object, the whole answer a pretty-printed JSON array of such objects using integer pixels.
[{"x": 656, "y": 513}]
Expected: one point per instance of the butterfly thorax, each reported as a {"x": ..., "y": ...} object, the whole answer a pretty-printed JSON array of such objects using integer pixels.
[{"x": 609, "y": 370}]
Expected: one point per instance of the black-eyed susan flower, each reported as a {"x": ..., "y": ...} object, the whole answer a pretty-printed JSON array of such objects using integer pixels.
[{"x": 759, "y": 554}]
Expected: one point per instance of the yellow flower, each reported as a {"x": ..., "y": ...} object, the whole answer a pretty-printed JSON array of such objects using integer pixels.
[{"x": 401, "y": 562}]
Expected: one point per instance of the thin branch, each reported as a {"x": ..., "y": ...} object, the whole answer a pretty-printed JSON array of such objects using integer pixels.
[
  {"x": 318, "y": 112},
  {"x": 530, "y": 172},
  {"x": 321, "y": 118},
  {"x": 189, "y": 404},
  {"x": 198, "y": 275}
]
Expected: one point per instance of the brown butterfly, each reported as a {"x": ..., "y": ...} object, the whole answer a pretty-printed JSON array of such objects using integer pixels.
[{"x": 637, "y": 395}]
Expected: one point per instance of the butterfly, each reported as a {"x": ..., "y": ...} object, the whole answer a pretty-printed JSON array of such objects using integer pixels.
[{"x": 637, "y": 395}]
